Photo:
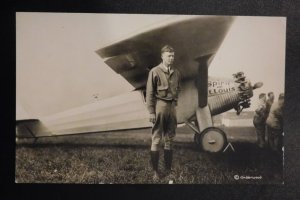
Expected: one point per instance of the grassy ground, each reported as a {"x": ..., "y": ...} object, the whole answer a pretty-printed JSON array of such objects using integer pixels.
[{"x": 123, "y": 157}]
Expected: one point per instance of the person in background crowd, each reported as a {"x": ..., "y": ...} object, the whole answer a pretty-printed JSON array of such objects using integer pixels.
[
  {"x": 270, "y": 101},
  {"x": 275, "y": 124},
  {"x": 259, "y": 120}
]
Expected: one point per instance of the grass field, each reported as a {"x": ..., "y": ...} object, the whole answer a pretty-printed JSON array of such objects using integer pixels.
[{"x": 123, "y": 157}]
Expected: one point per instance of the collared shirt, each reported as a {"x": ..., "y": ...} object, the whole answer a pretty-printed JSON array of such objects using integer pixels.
[
  {"x": 167, "y": 68},
  {"x": 163, "y": 85}
]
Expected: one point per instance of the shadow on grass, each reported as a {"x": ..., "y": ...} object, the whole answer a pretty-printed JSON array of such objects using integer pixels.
[
  {"x": 80, "y": 145},
  {"x": 110, "y": 144}
]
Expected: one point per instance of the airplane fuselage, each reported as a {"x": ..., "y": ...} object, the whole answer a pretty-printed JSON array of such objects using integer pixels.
[
  {"x": 218, "y": 86},
  {"x": 129, "y": 110}
]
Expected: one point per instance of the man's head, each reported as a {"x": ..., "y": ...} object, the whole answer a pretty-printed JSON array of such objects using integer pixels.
[
  {"x": 271, "y": 95},
  {"x": 167, "y": 55},
  {"x": 281, "y": 98},
  {"x": 262, "y": 96}
]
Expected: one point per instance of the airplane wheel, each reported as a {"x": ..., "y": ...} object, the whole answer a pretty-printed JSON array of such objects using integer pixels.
[{"x": 213, "y": 140}]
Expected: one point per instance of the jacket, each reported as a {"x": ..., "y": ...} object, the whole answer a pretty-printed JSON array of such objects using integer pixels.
[
  {"x": 268, "y": 105},
  {"x": 274, "y": 119},
  {"x": 160, "y": 85},
  {"x": 260, "y": 114}
]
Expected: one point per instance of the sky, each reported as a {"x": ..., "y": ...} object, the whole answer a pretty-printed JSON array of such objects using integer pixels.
[
  {"x": 256, "y": 46},
  {"x": 57, "y": 67}
]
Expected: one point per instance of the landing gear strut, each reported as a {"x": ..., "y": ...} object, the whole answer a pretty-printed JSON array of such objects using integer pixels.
[{"x": 208, "y": 137}]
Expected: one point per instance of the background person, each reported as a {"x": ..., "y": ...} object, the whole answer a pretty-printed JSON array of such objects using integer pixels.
[
  {"x": 269, "y": 103},
  {"x": 275, "y": 124},
  {"x": 259, "y": 120}
]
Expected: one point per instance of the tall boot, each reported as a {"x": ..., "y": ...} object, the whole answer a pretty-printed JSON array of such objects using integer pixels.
[
  {"x": 154, "y": 162},
  {"x": 168, "y": 156}
]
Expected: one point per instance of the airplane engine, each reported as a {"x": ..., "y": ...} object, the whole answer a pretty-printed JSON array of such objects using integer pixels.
[{"x": 238, "y": 99}]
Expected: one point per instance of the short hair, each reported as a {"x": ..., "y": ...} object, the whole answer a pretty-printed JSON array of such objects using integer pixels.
[
  {"x": 166, "y": 48},
  {"x": 281, "y": 96},
  {"x": 261, "y": 95},
  {"x": 269, "y": 94}
]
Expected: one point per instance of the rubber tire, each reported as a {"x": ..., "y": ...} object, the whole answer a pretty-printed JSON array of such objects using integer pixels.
[{"x": 214, "y": 130}]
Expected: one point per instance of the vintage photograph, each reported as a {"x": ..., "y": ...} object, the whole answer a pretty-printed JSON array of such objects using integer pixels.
[{"x": 149, "y": 99}]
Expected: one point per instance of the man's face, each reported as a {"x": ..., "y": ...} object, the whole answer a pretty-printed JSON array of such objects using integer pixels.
[
  {"x": 168, "y": 58},
  {"x": 271, "y": 96}
]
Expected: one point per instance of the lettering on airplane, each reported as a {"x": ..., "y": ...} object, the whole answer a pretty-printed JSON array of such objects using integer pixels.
[{"x": 220, "y": 86}]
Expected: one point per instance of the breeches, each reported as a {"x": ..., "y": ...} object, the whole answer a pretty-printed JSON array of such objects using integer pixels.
[
  {"x": 275, "y": 138},
  {"x": 260, "y": 131},
  {"x": 165, "y": 125}
]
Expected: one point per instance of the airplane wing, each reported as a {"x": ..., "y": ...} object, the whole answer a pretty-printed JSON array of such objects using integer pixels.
[{"x": 192, "y": 37}]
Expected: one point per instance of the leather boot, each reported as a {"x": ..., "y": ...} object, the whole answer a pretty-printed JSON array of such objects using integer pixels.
[
  {"x": 154, "y": 162},
  {"x": 168, "y": 156}
]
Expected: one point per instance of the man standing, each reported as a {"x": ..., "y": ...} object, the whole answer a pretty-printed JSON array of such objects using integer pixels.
[
  {"x": 275, "y": 124},
  {"x": 269, "y": 102},
  {"x": 259, "y": 120},
  {"x": 163, "y": 86}
]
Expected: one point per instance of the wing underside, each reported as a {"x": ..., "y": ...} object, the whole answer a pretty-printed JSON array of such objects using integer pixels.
[{"x": 191, "y": 38}]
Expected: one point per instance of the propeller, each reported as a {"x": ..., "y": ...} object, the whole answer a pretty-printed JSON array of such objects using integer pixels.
[{"x": 257, "y": 85}]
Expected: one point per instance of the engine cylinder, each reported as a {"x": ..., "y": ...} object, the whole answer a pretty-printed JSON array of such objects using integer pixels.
[{"x": 224, "y": 102}]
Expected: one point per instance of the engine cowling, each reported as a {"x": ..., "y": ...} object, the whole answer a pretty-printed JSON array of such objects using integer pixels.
[{"x": 236, "y": 94}]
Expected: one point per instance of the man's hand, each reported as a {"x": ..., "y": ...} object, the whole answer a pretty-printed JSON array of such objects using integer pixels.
[{"x": 152, "y": 118}]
